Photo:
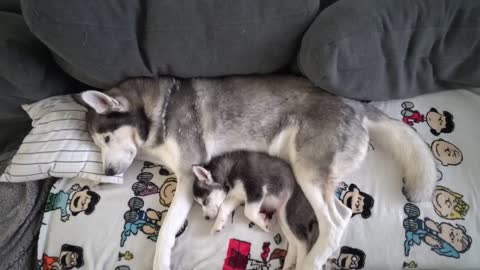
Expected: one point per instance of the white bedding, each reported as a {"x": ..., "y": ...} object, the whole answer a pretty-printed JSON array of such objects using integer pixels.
[{"x": 387, "y": 232}]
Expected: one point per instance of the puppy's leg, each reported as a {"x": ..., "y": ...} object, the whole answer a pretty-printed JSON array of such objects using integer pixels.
[
  {"x": 252, "y": 212},
  {"x": 175, "y": 218},
  {"x": 226, "y": 209}
]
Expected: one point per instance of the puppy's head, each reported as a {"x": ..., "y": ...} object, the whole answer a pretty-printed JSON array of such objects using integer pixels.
[{"x": 207, "y": 192}]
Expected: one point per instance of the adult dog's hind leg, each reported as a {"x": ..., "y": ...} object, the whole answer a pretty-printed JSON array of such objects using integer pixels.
[
  {"x": 175, "y": 218},
  {"x": 331, "y": 223}
]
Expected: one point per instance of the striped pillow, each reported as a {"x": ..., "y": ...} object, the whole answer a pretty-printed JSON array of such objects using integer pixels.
[{"x": 58, "y": 145}]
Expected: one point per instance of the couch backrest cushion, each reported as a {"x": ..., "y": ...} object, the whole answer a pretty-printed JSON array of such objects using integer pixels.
[
  {"x": 104, "y": 42},
  {"x": 27, "y": 73},
  {"x": 384, "y": 49}
]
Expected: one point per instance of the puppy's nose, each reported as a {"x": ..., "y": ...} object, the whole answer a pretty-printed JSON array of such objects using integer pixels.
[
  {"x": 207, "y": 217},
  {"x": 109, "y": 172}
]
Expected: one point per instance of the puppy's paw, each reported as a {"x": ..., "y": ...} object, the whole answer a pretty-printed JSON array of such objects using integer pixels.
[
  {"x": 217, "y": 227},
  {"x": 265, "y": 226}
]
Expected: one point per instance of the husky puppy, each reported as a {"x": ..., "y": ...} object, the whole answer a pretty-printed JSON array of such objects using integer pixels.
[
  {"x": 258, "y": 181},
  {"x": 180, "y": 123}
]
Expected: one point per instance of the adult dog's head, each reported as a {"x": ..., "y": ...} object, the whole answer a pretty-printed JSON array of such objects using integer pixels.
[{"x": 117, "y": 123}]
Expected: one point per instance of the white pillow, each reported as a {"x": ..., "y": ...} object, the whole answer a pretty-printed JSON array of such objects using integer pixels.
[{"x": 58, "y": 145}]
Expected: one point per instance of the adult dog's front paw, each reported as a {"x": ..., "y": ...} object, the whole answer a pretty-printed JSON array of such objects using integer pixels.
[
  {"x": 161, "y": 262},
  {"x": 162, "y": 254}
]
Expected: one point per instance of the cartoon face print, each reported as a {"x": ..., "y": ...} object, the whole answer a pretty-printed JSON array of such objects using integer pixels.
[
  {"x": 446, "y": 152},
  {"x": 456, "y": 236},
  {"x": 349, "y": 258},
  {"x": 70, "y": 257},
  {"x": 351, "y": 196},
  {"x": 167, "y": 191},
  {"x": 440, "y": 123},
  {"x": 448, "y": 204},
  {"x": 73, "y": 201},
  {"x": 445, "y": 239},
  {"x": 82, "y": 201}
]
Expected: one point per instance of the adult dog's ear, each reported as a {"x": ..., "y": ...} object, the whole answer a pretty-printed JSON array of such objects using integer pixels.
[{"x": 101, "y": 103}]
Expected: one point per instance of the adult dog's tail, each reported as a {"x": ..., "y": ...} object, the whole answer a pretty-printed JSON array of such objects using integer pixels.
[{"x": 409, "y": 150}]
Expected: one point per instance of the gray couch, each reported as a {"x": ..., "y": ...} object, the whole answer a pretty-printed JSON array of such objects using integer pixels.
[{"x": 369, "y": 50}]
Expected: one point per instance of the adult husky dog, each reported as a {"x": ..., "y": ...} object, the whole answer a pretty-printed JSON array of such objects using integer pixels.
[{"x": 181, "y": 123}]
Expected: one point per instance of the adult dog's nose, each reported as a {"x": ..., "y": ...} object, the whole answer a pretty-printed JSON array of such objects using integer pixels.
[{"x": 109, "y": 172}]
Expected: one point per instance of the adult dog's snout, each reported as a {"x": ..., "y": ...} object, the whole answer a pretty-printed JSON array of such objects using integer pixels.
[{"x": 110, "y": 171}]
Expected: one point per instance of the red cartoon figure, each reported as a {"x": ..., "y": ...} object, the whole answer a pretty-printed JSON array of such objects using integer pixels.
[
  {"x": 239, "y": 257},
  {"x": 438, "y": 122},
  {"x": 70, "y": 257}
]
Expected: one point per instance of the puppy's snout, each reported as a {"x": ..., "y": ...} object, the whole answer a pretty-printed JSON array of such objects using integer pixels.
[
  {"x": 207, "y": 217},
  {"x": 110, "y": 172}
]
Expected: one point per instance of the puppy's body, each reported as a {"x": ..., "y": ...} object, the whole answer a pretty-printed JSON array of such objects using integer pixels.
[
  {"x": 260, "y": 182},
  {"x": 323, "y": 137}
]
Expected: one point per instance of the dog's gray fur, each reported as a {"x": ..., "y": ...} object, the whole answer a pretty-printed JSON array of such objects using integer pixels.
[
  {"x": 186, "y": 122},
  {"x": 261, "y": 182}
]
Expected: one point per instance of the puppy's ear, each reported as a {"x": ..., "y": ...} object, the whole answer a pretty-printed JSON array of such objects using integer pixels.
[
  {"x": 202, "y": 174},
  {"x": 101, "y": 103}
]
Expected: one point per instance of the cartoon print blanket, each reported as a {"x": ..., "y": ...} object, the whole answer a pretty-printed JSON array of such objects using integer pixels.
[{"x": 88, "y": 226}]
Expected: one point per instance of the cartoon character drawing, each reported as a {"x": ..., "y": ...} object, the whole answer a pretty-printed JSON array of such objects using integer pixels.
[
  {"x": 439, "y": 175},
  {"x": 239, "y": 257},
  {"x": 349, "y": 258},
  {"x": 70, "y": 257},
  {"x": 351, "y": 196},
  {"x": 127, "y": 256},
  {"x": 438, "y": 122},
  {"x": 448, "y": 204},
  {"x": 136, "y": 220},
  {"x": 73, "y": 201},
  {"x": 167, "y": 191},
  {"x": 443, "y": 238},
  {"x": 410, "y": 265},
  {"x": 272, "y": 262},
  {"x": 145, "y": 186},
  {"x": 148, "y": 222},
  {"x": 162, "y": 170},
  {"x": 446, "y": 152}
]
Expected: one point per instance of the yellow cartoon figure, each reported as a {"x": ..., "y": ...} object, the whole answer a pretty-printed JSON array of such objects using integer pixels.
[{"x": 449, "y": 204}]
